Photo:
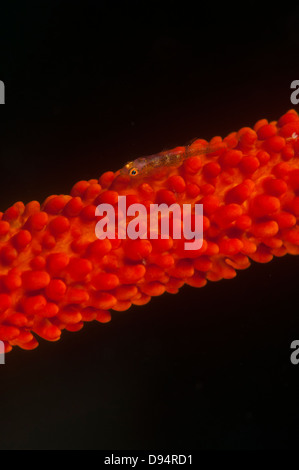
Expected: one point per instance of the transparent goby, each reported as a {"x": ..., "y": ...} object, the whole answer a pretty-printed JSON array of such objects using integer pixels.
[{"x": 144, "y": 166}]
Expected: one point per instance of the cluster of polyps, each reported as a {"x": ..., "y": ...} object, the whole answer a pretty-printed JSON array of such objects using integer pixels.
[{"x": 56, "y": 274}]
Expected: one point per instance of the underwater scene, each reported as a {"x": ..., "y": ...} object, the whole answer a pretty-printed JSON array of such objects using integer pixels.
[{"x": 149, "y": 230}]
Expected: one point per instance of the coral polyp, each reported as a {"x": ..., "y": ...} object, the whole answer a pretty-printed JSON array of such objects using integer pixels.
[{"x": 56, "y": 274}]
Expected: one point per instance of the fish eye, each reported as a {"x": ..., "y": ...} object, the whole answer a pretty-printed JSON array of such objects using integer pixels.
[{"x": 133, "y": 172}]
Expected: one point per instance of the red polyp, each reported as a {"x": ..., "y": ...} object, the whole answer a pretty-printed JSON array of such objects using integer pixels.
[
  {"x": 35, "y": 280},
  {"x": 103, "y": 300},
  {"x": 275, "y": 187},
  {"x": 265, "y": 229},
  {"x": 177, "y": 184},
  {"x": 165, "y": 196},
  {"x": 137, "y": 250},
  {"x": 99, "y": 248},
  {"x": 55, "y": 274},
  {"x": 285, "y": 220},
  {"x": 129, "y": 274},
  {"x": 293, "y": 176},
  {"x": 226, "y": 215},
  {"x": 32, "y": 305},
  {"x": 73, "y": 207},
  {"x": 263, "y": 205},
  {"x": 92, "y": 192},
  {"x": 76, "y": 295},
  {"x": 50, "y": 310},
  {"x": 22, "y": 239},
  {"x": 56, "y": 290},
  {"x": 289, "y": 129},
  {"x": 79, "y": 268},
  {"x": 55, "y": 204},
  {"x": 12, "y": 281},
  {"x": 5, "y": 302},
  {"x": 249, "y": 165},
  {"x": 293, "y": 206},
  {"x": 263, "y": 157},
  {"x": 210, "y": 203},
  {"x": 230, "y": 246},
  {"x": 108, "y": 197},
  {"x": 45, "y": 329},
  {"x": 238, "y": 194},
  {"x": 192, "y": 165},
  {"x": 38, "y": 221},
  {"x": 266, "y": 131},
  {"x": 275, "y": 143},
  {"x": 59, "y": 225},
  {"x": 104, "y": 281},
  {"x": 87, "y": 214},
  {"x": 8, "y": 254},
  {"x": 192, "y": 190},
  {"x": 12, "y": 213},
  {"x": 4, "y": 227},
  {"x": 9, "y": 333},
  {"x": 290, "y": 116},
  {"x": 56, "y": 262},
  {"x": 230, "y": 158},
  {"x": 79, "y": 188},
  {"x": 287, "y": 153},
  {"x": 247, "y": 138},
  {"x": 18, "y": 319},
  {"x": 211, "y": 170}
]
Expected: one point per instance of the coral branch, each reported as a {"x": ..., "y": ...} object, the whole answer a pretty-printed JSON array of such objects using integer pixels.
[{"x": 56, "y": 274}]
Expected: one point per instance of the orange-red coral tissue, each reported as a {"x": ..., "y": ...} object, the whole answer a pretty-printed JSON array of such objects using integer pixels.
[{"x": 57, "y": 274}]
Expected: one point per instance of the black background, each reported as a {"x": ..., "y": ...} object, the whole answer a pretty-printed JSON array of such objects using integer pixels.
[{"x": 90, "y": 85}]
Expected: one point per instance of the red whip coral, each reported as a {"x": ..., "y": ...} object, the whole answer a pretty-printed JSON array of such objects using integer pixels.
[{"x": 56, "y": 274}]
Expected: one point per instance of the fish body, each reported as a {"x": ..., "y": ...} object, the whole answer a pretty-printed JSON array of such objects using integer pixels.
[{"x": 144, "y": 166}]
